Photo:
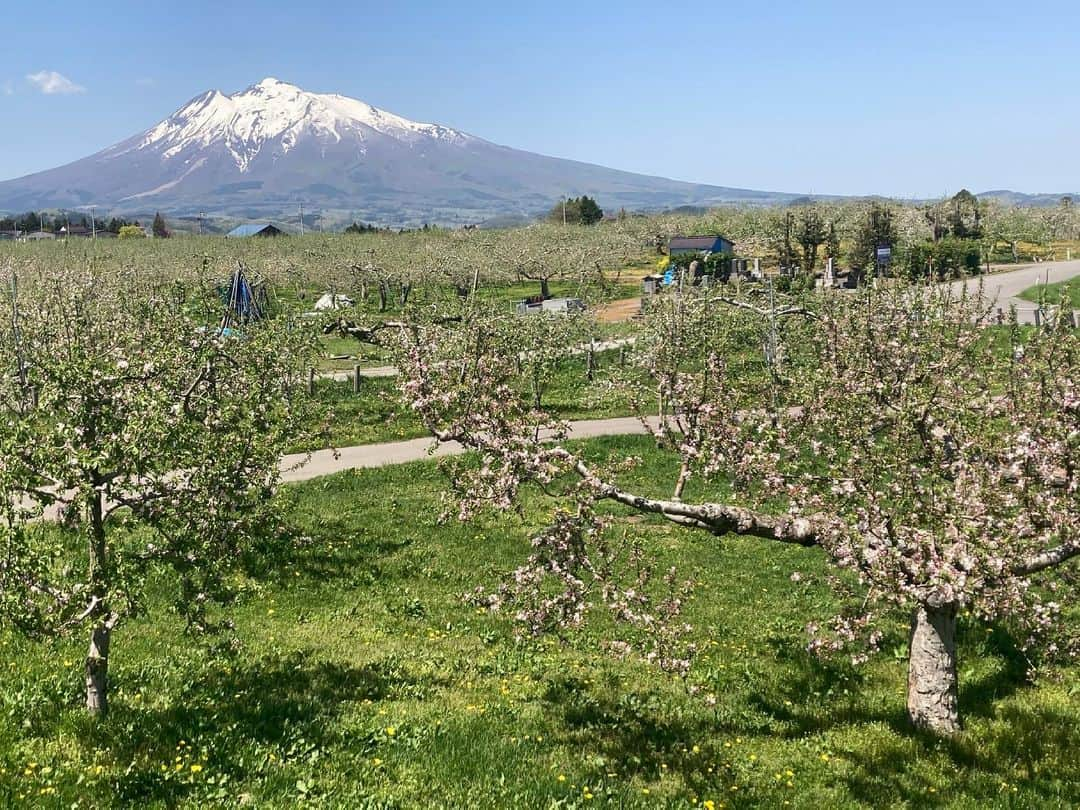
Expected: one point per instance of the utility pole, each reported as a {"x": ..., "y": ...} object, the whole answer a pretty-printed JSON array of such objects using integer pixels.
[
  {"x": 301, "y": 219},
  {"x": 564, "y": 210},
  {"x": 200, "y": 219},
  {"x": 93, "y": 223}
]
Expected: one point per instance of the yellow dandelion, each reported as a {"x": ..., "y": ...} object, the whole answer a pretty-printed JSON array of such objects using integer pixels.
[
  {"x": 390, "y": 731},
  {"x": 196, "y": 768}
]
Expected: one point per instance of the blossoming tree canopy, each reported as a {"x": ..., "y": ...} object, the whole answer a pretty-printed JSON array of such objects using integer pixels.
[
  {"x": 930, "y": 455},
  {"x": 128, "y": 414}
]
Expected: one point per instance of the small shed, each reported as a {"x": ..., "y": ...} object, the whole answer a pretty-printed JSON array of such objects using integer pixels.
[
  {"x": 39, "y": 236},
  {"x": 254, "y": 229},
  {"x": 679, "y": 245}
]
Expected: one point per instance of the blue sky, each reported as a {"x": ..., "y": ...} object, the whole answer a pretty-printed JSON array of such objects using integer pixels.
[{"x": 902, "y": 98}]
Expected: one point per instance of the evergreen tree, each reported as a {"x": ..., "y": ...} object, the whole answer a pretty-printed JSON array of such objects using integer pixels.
[
  {"x": 591, "y": 213},
  {"x": 161, "y": 231},
  {"x": 811, "y": 235},
  {"x": 877, "y": 229},
  {"x": 582, "y": 210}
]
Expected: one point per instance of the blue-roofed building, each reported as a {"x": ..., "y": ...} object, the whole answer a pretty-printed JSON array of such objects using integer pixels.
[
  {"x": 700, "y": 244},
  {"x": 254, "y": 229}
]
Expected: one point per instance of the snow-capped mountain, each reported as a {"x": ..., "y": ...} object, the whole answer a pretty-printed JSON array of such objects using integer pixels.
[
  {"x": 276, "y": 115},
  {"x": 263, "y": 150}
]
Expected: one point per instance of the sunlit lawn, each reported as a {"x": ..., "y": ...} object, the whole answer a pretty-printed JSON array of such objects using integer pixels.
[{"x": 363, "y": 679}]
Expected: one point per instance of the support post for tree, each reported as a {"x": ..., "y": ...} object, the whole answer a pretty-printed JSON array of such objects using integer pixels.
[
  {"x": 311, "y": 381},
  {"x": 356, "y": 379},
  {"x": 622, "y": 356},
  {"x": 932, "y": 685},
  {"x": 590, "y": 362}
]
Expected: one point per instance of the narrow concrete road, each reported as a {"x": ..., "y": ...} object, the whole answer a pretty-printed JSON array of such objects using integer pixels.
[
  {"x": 1003, "y": 288},
  {"x": 302, "y": 467}
]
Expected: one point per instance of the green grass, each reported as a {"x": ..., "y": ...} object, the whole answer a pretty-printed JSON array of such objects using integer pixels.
[
  {"x": 1052, "y": 293},
  {"x": 376, "y": 414},
  {"x": 364, "y": 680}
]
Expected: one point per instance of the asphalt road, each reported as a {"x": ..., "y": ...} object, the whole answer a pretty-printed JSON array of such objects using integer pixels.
[
  {"x": 1002, "y": 288},
  {"x": 301, "y": 467}
]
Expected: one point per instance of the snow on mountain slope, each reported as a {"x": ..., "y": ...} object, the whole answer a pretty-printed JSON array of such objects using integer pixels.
[{"x": 273, "y": 110}]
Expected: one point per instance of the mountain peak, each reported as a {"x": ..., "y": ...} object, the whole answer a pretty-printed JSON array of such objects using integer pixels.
[
  {"x": 273, "y": 117},
  {"x": 270, "y": 86}
]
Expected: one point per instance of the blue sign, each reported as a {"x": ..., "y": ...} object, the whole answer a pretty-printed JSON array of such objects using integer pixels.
[{"x": 669, "y": 278}]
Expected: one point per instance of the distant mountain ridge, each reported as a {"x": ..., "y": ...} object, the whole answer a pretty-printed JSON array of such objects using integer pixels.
[
  {"x": 262, "y": 152},
  {"x": 265, "y": 150},
  {"x": 1018, "y": 198}
]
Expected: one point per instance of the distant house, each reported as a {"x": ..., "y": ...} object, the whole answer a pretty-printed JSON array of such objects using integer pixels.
[
  {"x": 39, "y": 236},
  {"x": 76, "y": 230},
  {"x": 680, "y": 245},
  {"x": 7, "y": 236},
  {"x": 254, "y": 229}
]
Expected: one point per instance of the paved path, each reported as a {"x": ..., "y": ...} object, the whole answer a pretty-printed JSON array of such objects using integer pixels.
[
  {"x": 301, "y": 467},
  {"x": 1003, "y": 288}
]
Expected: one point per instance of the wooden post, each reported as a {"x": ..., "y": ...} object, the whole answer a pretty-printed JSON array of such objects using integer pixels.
[
  {"x": 1038, "y": 316},
  {"x": 622, "y": 355},
  {"x": 311, "y": 381},
  {"x": 356, "y": 379},
  {"x": 590, "y": 363}
]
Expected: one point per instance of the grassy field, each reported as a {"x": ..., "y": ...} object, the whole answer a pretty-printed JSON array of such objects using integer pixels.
[
  {"x": 363, "y": 679},
  {"x": 376, "y": 415},
  {"x": 1051, "y": 293}
]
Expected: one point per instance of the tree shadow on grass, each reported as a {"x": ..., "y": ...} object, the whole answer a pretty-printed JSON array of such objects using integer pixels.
[
  {"x": 336, "y": 552},
  {"x": 1030, "y": 747},
  {"x": 291, "y": 705},
  {"x": 813, "y": 697}
]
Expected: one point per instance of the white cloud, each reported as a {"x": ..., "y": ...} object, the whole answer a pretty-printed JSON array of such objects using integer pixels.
[
  {"x": 52, "y": 83},
  {"x": 8, "y": 88}
]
